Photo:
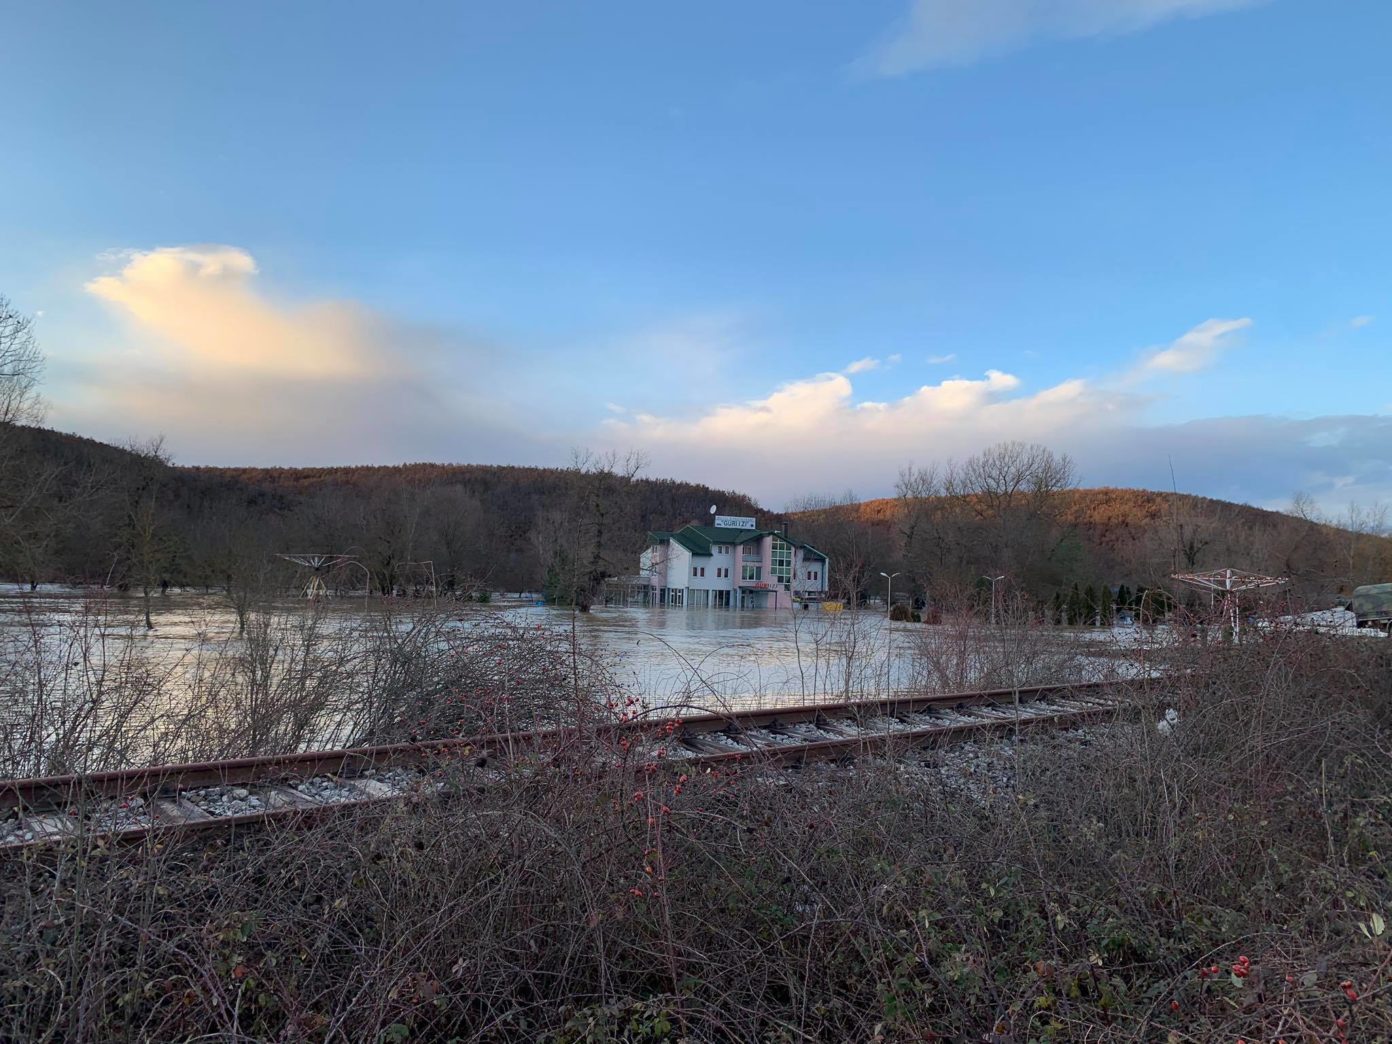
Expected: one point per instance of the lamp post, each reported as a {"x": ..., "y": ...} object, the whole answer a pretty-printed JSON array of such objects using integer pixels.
[
  {"x": 889, "y": 592},
  {"x": 993, "y": 580},
  {"x": 889, "y": 634}
]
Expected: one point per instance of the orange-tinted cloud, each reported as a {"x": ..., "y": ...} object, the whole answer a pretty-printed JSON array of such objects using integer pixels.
[
  {"x": 230, "y": 373},
  {"x": 205, "y": 313}
]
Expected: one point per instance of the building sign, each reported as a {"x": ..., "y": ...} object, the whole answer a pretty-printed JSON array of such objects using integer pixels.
[{"x": 733, "y": 522}]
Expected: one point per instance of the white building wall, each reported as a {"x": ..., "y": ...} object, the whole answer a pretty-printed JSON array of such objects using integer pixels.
[
  {"x": 678, "y": 566},
  {"x": 707, "y": 582},
  {"x": 723, "y": 560},
  {"x": 802, "y": 567}
]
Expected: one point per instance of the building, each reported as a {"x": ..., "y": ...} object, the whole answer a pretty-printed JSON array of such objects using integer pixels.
[{"x": 732, "y": 565}]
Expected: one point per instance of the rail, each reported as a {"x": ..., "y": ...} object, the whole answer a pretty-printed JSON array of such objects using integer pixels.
[{"x": 132, "y": 803}]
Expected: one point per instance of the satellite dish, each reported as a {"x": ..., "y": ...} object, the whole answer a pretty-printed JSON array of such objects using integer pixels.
[{"x": 712, "y": 509}]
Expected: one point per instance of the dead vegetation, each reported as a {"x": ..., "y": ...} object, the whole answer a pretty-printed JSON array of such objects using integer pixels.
[
  {"x": 81, "y": 692},
  {"x": 1225, "y": 880}
]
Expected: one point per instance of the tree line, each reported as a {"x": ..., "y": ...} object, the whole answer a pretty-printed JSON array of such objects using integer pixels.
[
  {"x": 75, "y": 510},
  {"x": 1011, "y": 517},
  {"x": 1014, "y": 512}
]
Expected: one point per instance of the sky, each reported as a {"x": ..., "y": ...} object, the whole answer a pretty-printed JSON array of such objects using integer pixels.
[{"x": 777, "y": 247}]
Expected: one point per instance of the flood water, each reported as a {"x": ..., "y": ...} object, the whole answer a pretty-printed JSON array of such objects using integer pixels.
[{"x": 706, "y": 658}]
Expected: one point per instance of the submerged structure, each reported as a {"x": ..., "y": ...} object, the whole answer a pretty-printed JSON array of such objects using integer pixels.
[{"x": 731, "y": 565}]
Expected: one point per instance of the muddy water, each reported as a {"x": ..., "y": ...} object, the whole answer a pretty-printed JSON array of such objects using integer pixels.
[{"x": 669, "y": 657}]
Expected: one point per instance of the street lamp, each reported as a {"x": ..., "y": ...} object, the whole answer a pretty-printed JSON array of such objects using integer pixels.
[
  {"x": 889, "y": 593},
  {"x": 993, "y": 580}
]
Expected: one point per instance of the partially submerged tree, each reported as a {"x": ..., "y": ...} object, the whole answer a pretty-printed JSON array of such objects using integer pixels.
[
  {"x": 571, "y": 540},
  {"x": 147, "y": 546}
]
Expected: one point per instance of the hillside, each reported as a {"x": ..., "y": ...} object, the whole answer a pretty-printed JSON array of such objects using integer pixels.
[
  {"x": 74, "y": 509},
  {"x": 497, "y": 526},
  {"x": 1114, "y": 536}
]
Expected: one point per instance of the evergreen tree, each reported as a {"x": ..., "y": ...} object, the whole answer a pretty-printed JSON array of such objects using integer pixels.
[
  {"x": 1075, "y": 605},
  {"x": 1123, "y": 597},
  {"x": 560, "y": 582},
  {"x": 1104, "y": 606}
]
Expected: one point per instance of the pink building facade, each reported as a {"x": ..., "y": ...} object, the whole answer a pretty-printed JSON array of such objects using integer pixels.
[{"x": 724, "y": 567}]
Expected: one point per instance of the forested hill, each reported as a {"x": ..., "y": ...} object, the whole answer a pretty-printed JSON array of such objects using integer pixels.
[
  {"x": 1103, "y": 537},
  {"x": 74, "y": 509}
]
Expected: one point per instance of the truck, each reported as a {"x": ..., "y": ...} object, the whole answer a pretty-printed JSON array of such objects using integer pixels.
[{"x": 1372, "y": 605}]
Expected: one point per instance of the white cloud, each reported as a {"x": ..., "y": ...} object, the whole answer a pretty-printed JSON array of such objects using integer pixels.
[
  {"x": 812, "y": 432},
  {"x": 196, "y": 305},
  {"x": 941, "y": 360},
  {"x": 862, "y": 365},
  {"x": 1360, "y": 321},
  {"x": 936, "y": 33},
  {"x": 1196, "y": 349},
  {"x": 814, "y": 435},
  {"x": 894, "y": 360},
  {"x": 231, "y": 375}
]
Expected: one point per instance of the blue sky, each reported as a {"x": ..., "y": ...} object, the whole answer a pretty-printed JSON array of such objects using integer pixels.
[{"x": 316, "y": 233}]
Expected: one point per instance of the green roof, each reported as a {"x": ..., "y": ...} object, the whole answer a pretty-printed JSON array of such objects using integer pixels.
[{"x": 698, "y": 539}]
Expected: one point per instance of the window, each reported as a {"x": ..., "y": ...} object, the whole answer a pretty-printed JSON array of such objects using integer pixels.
[
  {"x": 752, "y": 571},
  {"x": 781, "y": 562},
  {"x": 753, "y": 550}
]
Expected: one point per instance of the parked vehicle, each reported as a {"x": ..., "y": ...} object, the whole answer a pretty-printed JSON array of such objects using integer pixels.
[{"x": 1372, "y": 605}]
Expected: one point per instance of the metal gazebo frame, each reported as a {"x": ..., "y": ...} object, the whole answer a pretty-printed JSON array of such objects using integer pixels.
[{"x": 1230, "y": 583}]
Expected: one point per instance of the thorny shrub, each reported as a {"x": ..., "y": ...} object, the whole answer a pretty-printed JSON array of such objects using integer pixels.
[{"x": 1222, "y": 881}]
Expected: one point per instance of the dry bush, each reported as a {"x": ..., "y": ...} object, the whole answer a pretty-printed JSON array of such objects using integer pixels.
[
  {"x": 965, "y": 652},
  {"x": 81, "y": 693},
  {"x": 601, "y": 897}
]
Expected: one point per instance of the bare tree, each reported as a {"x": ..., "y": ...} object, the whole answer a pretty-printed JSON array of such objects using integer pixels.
[
  {"x": 21, "y": 367},
  {"x": 858, "y": 550},
  {"x": 1357, "y": 544},
  {"x": 30, "y": 507},
  {"x": 1011, "y": 492},
  {"x": 1009, "y": 476},
  {"x": 577, "y": 558},
  {"x": 924, "y": 531},
  {"x": 147, "y": 545}
]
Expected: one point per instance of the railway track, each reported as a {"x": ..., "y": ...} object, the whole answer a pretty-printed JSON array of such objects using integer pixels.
[{"x": 225, "y": 795}]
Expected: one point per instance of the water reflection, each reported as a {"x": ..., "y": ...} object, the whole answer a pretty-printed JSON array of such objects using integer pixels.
[{"x": 668, "y": 657}]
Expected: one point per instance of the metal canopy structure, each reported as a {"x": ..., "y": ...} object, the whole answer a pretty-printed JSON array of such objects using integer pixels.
[
  {"x": 1230, "y": 584},
  {"x": 321, "y": 566}
]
